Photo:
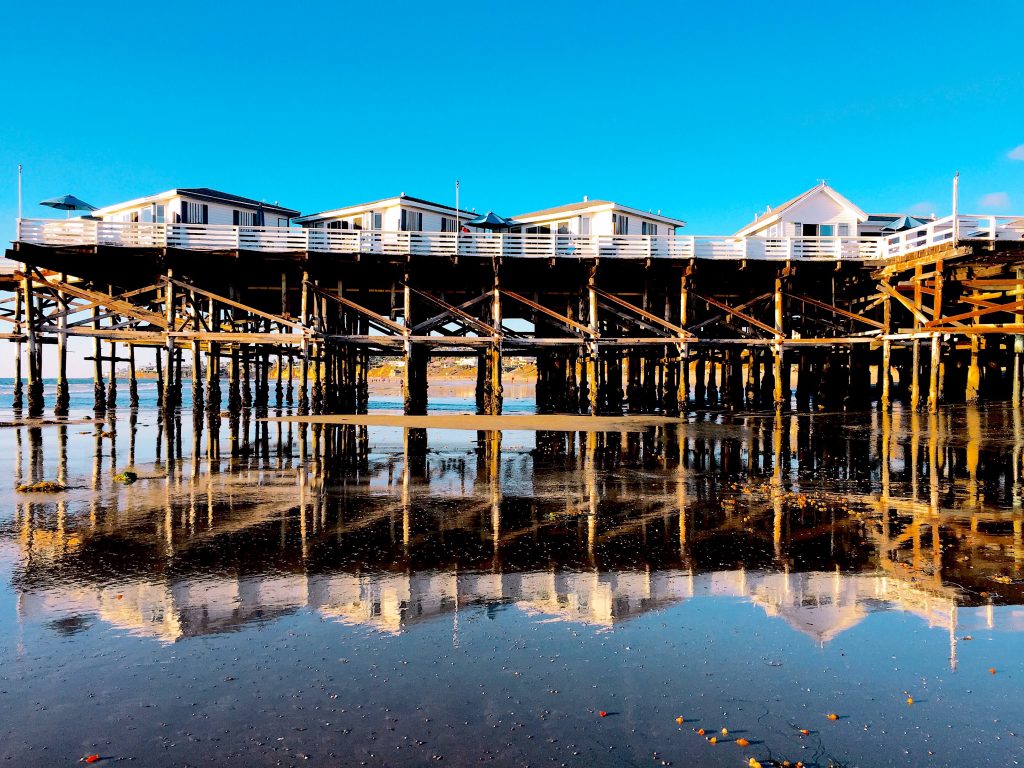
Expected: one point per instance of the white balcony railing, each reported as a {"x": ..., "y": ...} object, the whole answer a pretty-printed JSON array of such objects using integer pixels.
[{"x": 215, "y": 237}]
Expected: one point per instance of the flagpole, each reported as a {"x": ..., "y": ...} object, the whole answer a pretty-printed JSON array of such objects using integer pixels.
[
  {"x": 458, "y": 221},
  {"x": 19, "y": 190},
  {"x": 956, "y": 207}
]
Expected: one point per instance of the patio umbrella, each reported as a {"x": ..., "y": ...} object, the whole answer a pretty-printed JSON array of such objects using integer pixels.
[
  {"x": 902, "y": 223},
  {"x": 68, "y": 203},
  {"x": 491, "y": 221}
]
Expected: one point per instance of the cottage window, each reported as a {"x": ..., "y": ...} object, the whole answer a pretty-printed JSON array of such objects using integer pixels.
[
  {"x": 158, "y": 213},
  {"x": 337, "y": 224},
  {"x": 540, "y": 229},
  {"x": 563, "y": 227},
  {"x": 648, "y": 228},
  {"x": 826, "y": 230},
  {"x": 843, "y": 230},
  {"x": 412, "y": 221},
  {"x": 194, "y": 213},
  {"x": 620, "y": 224},
  {"x": 243, "y": 218},
  {"x": 447, "y": 224},
  {"x": 378, "y": 220}
]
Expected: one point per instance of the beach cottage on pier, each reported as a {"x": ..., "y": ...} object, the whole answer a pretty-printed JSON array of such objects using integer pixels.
[
  {"x": 198, "y": 205},
  {"x": 596, "y": 217},
  {"x": 392, "y": 214},
  {"x": 818, "y": 212}
]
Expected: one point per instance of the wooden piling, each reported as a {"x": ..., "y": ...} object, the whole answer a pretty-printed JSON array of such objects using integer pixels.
[
  {"x": 35, "y": 382},
  {"x": 133, "y": 381},
  {"x": 98, "y": 393},
  {"x": 62, "y": 402}
]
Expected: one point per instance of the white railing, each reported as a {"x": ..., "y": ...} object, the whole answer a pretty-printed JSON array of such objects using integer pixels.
[{"x": 214, "y": 237}]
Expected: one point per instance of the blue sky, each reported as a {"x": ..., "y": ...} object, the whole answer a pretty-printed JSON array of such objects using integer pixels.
[{"x": 707, "y": 111}]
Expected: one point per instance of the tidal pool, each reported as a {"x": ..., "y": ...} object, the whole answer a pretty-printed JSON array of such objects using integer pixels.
[{"x": 277, "y": 594}]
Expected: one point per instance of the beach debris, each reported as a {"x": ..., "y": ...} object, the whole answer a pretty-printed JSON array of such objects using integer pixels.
[
  {"x": 805, "y": 732},
  {"x": 753, "y": 763},
  {"x": 602, "y": 713},
  {"x": 741, "y": 742},
  {"x": 127, "y": 477},
  {"x": 991, "y": 670},
  {"x": 91, "y": 759},
  {"x": 680, "y": 720},
  {"x": 713, "y": 740},
  {"x": 832, "y": 716},
  {"x": 43, "y": 486},
  {"x": 910, "y": 699},
  {"x": 725, "y": 731},
  {"x": 701, "y": 731}
]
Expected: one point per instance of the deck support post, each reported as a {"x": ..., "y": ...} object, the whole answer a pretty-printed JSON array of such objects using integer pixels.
[
  {"x": 304, "y": 318},
  {"x": 158, "y": 355},
  {"x": 414, "y": 377},
  {"x": 170, "y": 401},
  {"x": 935, "y": 370},
  {"x": 213, "y": 368},
  {"x": 99, "y": 394},
  {"x": 18, "y": 396},
  {"x": 234, "y": 390},
  {"x": 593, "y": 353},
  {"x": 112, "y": 374},
  {"x": 197, "y": 381},
  {"x": 885, "y": 368},
  {"x": 972, "y": 392},
  {"x": 1018, "y": 351},
  {"x": 777, "y": 350},
  {"x": 133, "y": 381},
  {"x": 495, "y": 389},
  {"x": 35, "y": 380},
  {"x": 684, "y": 348},
  {"x": 63, "y": 400}
]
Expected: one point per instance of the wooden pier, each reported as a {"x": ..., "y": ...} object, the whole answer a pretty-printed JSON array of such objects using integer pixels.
[{"x": 939, "y": 318}]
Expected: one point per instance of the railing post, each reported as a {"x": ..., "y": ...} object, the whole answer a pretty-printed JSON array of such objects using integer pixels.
[{"x": 992, "y": 227}]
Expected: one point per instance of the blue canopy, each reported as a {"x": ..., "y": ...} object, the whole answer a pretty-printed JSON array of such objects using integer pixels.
[
  {"x": 491, "y": 220},
  {"x": 68, "y": 203},
  {"x": 902, "y": 223}
]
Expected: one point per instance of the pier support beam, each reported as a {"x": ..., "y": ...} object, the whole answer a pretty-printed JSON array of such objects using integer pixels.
[
  {"x": 35, "y": 380},
  {"x": 935, "y": 369},
  {"x": 778, "y": 396},
  {"x": 18, "y": 396},
  {"x": 63, "y": 399},
  {"x": 98, "y": 393},
  {"x": 885, "y": 367},
  {"x": 133, "y": 381}
]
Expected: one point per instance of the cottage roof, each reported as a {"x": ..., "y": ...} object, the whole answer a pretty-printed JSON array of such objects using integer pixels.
[
  {"x": 587, "y": 205},
  {"x": 403, "y": 199},
  {"x": 202, "y": 193},
  {"x": 772, "y": 215}
]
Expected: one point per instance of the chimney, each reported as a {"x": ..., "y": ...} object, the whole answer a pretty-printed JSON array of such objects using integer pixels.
[{"x": 586, "y": 199}]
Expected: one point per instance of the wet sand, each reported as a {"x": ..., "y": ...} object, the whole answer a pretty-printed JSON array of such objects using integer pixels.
[{"x": 287, "y": 594}]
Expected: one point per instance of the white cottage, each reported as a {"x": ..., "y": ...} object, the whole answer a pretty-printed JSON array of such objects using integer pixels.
[
  {"x": 392, "y": 214},
  {"x": 818, "y": 212},
  {"x": 199, "y": 205},
  {"x": 596, "y": 217}
]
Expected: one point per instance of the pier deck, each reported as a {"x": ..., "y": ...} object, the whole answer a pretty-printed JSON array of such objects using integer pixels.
[{"x": 645, "y": 324}]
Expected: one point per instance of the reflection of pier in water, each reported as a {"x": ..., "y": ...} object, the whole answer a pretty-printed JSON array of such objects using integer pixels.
[{"x": 817, "y": 519}]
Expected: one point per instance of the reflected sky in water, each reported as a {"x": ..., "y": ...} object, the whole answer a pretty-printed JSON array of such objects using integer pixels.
[{"x": 270, "y": 593}]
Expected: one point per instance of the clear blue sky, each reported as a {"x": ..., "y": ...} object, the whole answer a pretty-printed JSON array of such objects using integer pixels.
[{"x": 708, "y": 111}]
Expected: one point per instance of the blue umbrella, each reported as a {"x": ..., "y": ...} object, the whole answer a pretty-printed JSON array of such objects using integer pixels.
[
  {"x": 68, "y": 203},
  {"x": 902, "y": 223},
  {"x": 491, "y": 220}
]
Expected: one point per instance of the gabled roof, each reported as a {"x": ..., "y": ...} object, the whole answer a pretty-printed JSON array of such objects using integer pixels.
[
  {"x": 403, "y": 199},
  {"x": 588, "y": 205},
  {"x": 772, "y": 215},
  {"x": 201, "y": 193}
]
